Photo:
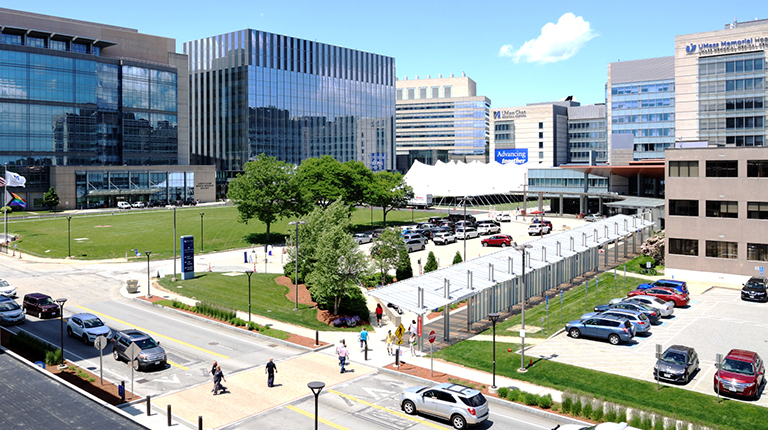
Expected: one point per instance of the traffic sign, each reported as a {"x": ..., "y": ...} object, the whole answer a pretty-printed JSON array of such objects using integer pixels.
[
  {"x": 399, "y": 332},
  {"x": 133, "y": 351},
  {"x": 100, "y": 342},
  {"x": 432, "y": 336},
  {"x": 399, "y": 341}
]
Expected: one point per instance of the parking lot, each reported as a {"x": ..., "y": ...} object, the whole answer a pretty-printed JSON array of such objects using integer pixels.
[{"x": 715, "y": 322}]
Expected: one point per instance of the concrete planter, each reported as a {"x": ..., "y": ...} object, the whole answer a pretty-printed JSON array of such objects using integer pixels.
[{"x": 132, "y": 286}]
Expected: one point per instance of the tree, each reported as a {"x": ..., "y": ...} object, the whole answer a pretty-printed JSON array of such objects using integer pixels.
[
  {"x": 386, "y": 251},
  {"x": 654, "y": 247},
  {"x": 404, "y": 268},
  {"x": 51, "y": 199},
  {"x": 267, "y": 191},
  {"x": 321, "y": 180},
  {"x": 389, "y": 191},
  {"x": 431, "y": 265},
  {"x": 457, "y": 258}
]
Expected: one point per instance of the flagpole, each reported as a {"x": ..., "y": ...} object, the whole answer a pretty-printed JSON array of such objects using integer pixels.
[{"x": 5, "y": 211}]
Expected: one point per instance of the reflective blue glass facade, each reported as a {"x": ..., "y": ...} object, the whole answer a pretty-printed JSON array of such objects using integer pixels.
[{"x": 253, "y": 92}]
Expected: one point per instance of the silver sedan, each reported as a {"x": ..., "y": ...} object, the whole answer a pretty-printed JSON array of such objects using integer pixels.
[{"x": 362, "y": 238}]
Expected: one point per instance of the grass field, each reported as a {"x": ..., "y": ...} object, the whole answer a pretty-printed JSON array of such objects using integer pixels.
[
  {"x": 113, "y": 235},
  {"x": 669, "y": 401}
]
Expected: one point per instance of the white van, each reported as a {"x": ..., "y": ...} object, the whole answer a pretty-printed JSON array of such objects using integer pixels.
[{"x": 123, "y": 205}]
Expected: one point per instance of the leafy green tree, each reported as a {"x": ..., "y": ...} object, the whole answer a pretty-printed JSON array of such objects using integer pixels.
[
  {"x": 357, "y": 182},
  {"x": 386, "y": 251},
  {"x": 51, "y": 199},
  {"x": 457, "y": 258},
  {"x": 267, "y": 191},
  {"x": 389, "y": 191},
  {"x": 321, "y": 180},
  {"x": 404, "y": 268},
  {"x": 339, "y": 269},
  {"x": 431, "y": 265},
  {"x": 5, "y": 209}
]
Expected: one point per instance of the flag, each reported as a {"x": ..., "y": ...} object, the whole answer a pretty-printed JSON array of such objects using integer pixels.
[
  {"x": 14, "y": 179},
  {"x": 13, "y": 199},
  {"x": 2, "y": 181}
]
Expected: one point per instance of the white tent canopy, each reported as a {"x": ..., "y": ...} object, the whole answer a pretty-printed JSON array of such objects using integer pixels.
[{"x": 457, "y": 179}]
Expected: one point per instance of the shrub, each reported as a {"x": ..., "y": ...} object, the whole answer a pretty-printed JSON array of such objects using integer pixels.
[
  {"x": 646, "y": 422},
  {"x": 587, "y": 410},
  {"x": 457, "y": 258},
  {"x": 91, "y": 379},
  {"x": 53, "y": 357},
  {"x": 567, "y": 403},
  {"x": 252, "y": 325},
  {"x": 531, "y": 399},
  {"x": 576, "y": 408},
  {"x": 597, "y": 414},
  {"x": 503, "y": 391},
  {"x": 431, "y": 265},
  {"x": 545, "y": 402},
  {"x": 636, "y": 420},
  {"x": 671, "y": 425},
  {"x": 514, "y": 395},
  {"x": 658, "y": 423},
  {"x": 26, "y": 344},
  {"x": 622, "y": 418},
  {"x": 611, "y": 416}
]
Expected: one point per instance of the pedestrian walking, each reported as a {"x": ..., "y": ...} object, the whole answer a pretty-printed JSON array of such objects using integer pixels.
[
  {"x": 218, "y": 376},
  {"x": 412, "y": 328},
  {"x": 413, "y": 342},
  {"x": 379, "y": 313},
  {"x": 213, "y": 371},
  {"x": 270, "y": 370},
  {"x": 363, "y": 339},
  {"x": 341, "y": 344},
  {"x": 390, "y": 340},
  {"x": 343, "y": 356}
]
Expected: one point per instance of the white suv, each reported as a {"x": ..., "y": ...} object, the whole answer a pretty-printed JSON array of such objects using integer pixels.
[
  {"x": 488, "y": 227},
  {"x": 123, "y": 205},
  {"x": 466, "y": 233},
  {"x": 443, "y": 238}
]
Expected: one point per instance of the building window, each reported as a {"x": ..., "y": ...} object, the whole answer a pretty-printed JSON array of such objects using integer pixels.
[
  {"x": 447, "y": 91},
  {"x": 722, "y": 169},
  {"x": 684, "y": 207},
  {"x": 58, "y": 45},
  {"x": 411, "y": 93},
  {"x": 684, "y": 169},
  {"x": 717, "y": 249},
  {"x": 435, "y": 92},
  {"x": 541, "y": 125},
  {"x": 541, "y": 154},
  {"x": 541, "y": 135},
  {"x": 541, "y": 145},
  {"x": 757, "y": 251},
  {"x": 757, "y": 210},
  {"x": 12, "y": 39},
  {"x": 423, "y": 93},
  {"x": 400, "y": 94},
  {"x": 757, "y": 168},
  {"x": 684, "y": 247},
  {"x": 37, "y": 42},
  {"x": 722, "y": 209}
]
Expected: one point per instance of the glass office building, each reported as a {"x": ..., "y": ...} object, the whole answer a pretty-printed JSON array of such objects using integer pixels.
[
  {"x": 254, "y": 92},
  {"x": 587, "y": 133}
]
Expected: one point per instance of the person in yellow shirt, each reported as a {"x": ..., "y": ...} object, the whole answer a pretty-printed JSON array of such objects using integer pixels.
[{"x": 390, "y": 340}]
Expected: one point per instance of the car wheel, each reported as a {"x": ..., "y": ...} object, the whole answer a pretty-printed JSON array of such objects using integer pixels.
[
  {"x": 115, "y": 355},
  {"x": 459, "y": 423},
  {"x": 69, "y": 331},
  {"x": 423, "y": 247},
  {"x": 485, "y": 244},
  {"x": 409, "y": 407},
  {"x": 575, "y": 333},
  {"x": 40, "y": 314},
  {"x": 686, "y": 378},
  {"x": 136, "y": 364},
  {"x": 85, "y": 338},
  {"x": 503, "y": 245},
  {"x": 614, "y": 339}
]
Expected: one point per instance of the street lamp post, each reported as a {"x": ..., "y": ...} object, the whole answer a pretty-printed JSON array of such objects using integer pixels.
[
  {"x": 494, "y": 317},
  {"x": 149, "y": 293},
  {"x": 69, "y": 237},
  {"x": 296, "y": 275},
  {"x": 249, "y": 273},
  {"x": 174, "y": 244},
  {"x": 464, "y": 203},
  {"x": 61, "y": 302},
  {"x": 202, "y": 238},
  {"x": 522, "y": 368},
  {"x": 316, "y": 387}
]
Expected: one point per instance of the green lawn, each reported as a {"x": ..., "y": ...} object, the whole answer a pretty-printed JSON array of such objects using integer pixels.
[
  {"x": 576, "y": 302},
  {"x": 113, "y": 235},
  {"x": 638, "y": 262},
  {"x": 669, "y": 401},
  {"x": 267, "y": 297}
]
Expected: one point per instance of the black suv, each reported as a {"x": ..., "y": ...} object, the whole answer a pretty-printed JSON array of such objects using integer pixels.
[
  {"x": 755, "y": 289},
  {"x": 151, "y": 353},
  {"x": 460, "y": 217}
]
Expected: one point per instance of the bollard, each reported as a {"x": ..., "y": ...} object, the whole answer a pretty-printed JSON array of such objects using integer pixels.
[
  {"x": 168, "y": 414},
  {"x": 121, "y": 390},
  {"x": 200, "y": 422},
  {"x": 366, "y": 352},
  {"x": 149, "y": 406},
  {"x": 317, "y": 338},
  {"x": 397, "y": 357}
]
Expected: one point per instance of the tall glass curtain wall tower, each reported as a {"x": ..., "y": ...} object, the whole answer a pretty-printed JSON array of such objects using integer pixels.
[{"x": 253, "y": 92}]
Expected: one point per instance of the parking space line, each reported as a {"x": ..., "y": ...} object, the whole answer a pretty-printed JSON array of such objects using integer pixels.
[
  {"x": 399, "y": 414},
  {"x": 176, "y": 365},
  {"x": 322, "y": 420},
  {"x": 155, "y": 334}
]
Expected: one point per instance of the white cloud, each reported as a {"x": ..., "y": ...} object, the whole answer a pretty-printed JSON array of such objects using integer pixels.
[{"x": 556, "y": 42}]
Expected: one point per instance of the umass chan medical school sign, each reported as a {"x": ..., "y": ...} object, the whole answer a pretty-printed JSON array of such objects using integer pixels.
[
  {"x": 511, "y": 156},
  {"x": 508, "y": 114},
  {"x": 727, "y": 46}
]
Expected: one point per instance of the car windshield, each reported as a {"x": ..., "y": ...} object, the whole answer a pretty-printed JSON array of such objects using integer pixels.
[
  {"x": 46, "y": 301},
  {"x": 4, "y": 283},
  {"x": 659, "y": 301},
  {"x": 757, "y": 285},
  {"x": 474, "y": 401},
  {"x": 146, "y": 343},
  {"x": 8, "y": 306},
  {"x": 673, "y": 357},
  {"x": 93, "y": 323},
  {"x": 738, "y": 366}
]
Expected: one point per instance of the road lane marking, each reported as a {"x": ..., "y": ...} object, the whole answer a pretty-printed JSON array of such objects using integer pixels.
[
  {"x": 399, "y": 414},
  {"x": 322, "y": 420},
  {"x": 157, "y": 335},
  {"x": 522, "y": 421}
]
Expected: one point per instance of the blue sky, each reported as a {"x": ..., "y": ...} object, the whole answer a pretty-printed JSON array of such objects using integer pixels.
[{"x": 517, "y": 52}]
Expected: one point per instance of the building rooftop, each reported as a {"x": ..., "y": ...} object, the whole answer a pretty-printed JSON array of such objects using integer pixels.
[{"x": 649, "y": 69}]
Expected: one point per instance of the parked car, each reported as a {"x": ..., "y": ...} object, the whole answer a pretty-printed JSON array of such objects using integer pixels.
[
  {"x": 603, "y": 426},
  {"x": 467, "y": 223},
  {"x": 448, "y": 225},
  {"x": 488, "y": 227},
  {"x": 415, "y": 236},
  {"x": 436, "y": 220},
  {"x": 426, "y": 226},
  {"x": 677, "y": 364},
  {"x": 40, "y": 305},
  {"x": 6, "y": 289},
  {"x": 414, "y": 245},
  {"x": 741, "y": 373},
  {"x": 664, "y": 293},
  {"x": 460, "y": 217},
  {"x": 87, "y": 327},
  {"x": 444, "y": 238},
  {"x": 502, "y": 240},
  {"x": 679, "y": 286},
  {"x": 137, "y": 204},
  {"x": 10, "y": 311},
  {"x": 152, "y": 354},
  {"x": 466, "y": 233},
  {"x": 538, "y": 229},
  {"x": 652, "y": 314},
  {"x": 542, "y": 221},
  {"x": 362, "y": 238},
  {"x": 426, "y": 232},
  {"x": 376, "y": 233},
  {"x": 615, "y": 329},
  {"x": 461, "y": 405},
  {"x": 754, "y": 289},
  {"x": 666, "y": 308},
  {"x": 504, "y": 217},
  {"x": 641, "y": 322},
  {"x": 123, "y": 205}
]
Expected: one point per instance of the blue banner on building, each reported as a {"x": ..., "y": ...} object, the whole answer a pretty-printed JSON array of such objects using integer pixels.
[
  {"x": 511, "y": 156},
  {"x": 187, "y": 257},
  {"x": 378, "y": 161}
]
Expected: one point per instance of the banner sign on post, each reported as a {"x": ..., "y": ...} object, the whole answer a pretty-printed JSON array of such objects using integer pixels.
[
  {"x": 418, "y": 326},
  {"x": 187, "y": 257}
]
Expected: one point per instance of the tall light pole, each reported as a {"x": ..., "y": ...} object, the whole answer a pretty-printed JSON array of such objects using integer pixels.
[
  {"x": 69, "y": 237},
  {"x": 522, "y": 368},
  {"x": 149, "y": 294},
  {"x": 494, "y": 317},
  {"x": 174, "y": 243},
  {"x": 61, "y": 302},
  {"x": 464, "y": 203},
  {"x": 249, "y": 273},
  {"x": 202, "y": 238},
  {"x": 316, "y": 387},
  {"x": 296, "y": 275}
]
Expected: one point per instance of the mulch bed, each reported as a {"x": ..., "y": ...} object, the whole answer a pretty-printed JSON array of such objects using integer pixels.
[{"x": 107, "y": 392}]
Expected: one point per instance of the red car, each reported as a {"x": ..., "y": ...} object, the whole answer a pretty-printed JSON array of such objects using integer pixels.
[
  {"x": 502, "y": 240},
  {"x": 664, "y": 293},
  {"x": 741, "y": 374}
]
